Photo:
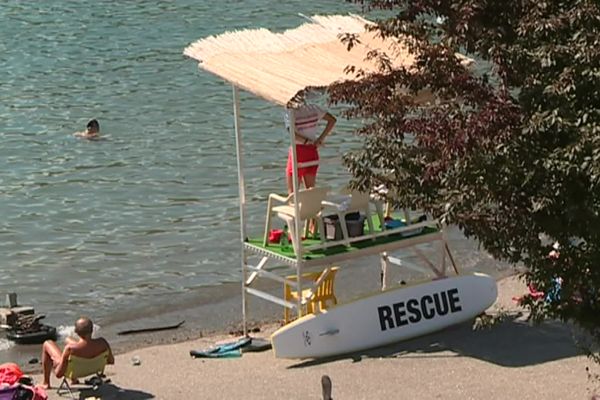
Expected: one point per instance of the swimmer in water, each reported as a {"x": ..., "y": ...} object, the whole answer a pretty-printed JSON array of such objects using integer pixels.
[{"x": 92, "y": 130}]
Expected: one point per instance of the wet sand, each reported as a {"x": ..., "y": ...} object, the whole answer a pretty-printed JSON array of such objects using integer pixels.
[{"x": 512, "y": 360}]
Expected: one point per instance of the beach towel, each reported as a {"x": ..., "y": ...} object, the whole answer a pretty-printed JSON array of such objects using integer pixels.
[
  {"x": 227, "y": 350},
  {"x": 10, "y": 373}
]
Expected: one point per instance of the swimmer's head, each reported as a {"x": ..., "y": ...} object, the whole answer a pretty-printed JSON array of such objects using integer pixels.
[{"x": 93, "y": 126}]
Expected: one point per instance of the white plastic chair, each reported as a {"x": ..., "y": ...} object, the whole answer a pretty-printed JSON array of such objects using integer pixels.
[
  {"x": 309, "y": 207},
  {"x": 351, "y": 202}
]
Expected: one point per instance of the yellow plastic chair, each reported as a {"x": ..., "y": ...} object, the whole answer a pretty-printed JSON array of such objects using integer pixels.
[
  {"x": 79, "y": 367},
  {"x": 316, "y": 298},
  {"x": 309, "y": 207}
]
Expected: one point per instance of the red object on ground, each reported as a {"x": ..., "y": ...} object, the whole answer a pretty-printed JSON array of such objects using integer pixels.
[
  {"x": 38, "y": 393},
  {"x": 10, "y": 373},
  {"x": 533, "y": 293},
  {"x": 275, "y": 235}
]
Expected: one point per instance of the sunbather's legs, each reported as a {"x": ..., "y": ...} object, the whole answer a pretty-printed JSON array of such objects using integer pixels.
[{"x": 51, "y": 355}]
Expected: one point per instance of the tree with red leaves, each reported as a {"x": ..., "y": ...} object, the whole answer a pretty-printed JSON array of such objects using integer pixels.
[{"x": 509, "y": 151}]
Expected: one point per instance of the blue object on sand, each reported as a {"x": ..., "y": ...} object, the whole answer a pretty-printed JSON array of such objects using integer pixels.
[
  {"x": 216, "y": 354},
  {"x": 227, "y": 350}
]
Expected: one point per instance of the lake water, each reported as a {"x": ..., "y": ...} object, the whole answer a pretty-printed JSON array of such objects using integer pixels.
[{"x": 118, "y": 225}]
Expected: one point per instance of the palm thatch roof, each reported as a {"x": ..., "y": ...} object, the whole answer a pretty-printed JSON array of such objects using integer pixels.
[{"x": 279, "y": 66}]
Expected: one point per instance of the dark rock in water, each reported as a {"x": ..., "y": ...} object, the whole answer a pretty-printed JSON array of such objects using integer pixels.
[
  {"x": 27, "y": 329},
  {"x": 34, "y": 361},
  {"x": 45, "y": 332}
]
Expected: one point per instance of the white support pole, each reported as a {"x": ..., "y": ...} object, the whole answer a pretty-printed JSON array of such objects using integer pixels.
[
  {"x": 259, "y": 267},
  {"x": 296, "y": 185},
  {"x": 295, "y": 178},
  {"x": 384, "y": 270},
  {"x": 242, "y": 198},
  {"x": 451, "y": 258},
  {"x": 407, "y": 219},
  {"x": 447, "y": 248},
  {"x": 442, "y": 267}
]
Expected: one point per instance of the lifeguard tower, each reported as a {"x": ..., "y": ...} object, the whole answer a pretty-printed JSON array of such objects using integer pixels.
[{"x": 281, "y": 68}]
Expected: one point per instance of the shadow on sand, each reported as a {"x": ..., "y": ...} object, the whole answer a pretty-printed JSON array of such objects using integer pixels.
[
  {"x": 108, "y": 391},
  {"x": 513, "y": 343}
]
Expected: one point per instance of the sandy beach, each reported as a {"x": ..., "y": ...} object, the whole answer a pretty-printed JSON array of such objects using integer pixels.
[{"x": 513, "y": 360}]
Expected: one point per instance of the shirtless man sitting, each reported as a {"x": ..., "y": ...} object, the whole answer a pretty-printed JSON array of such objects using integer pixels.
[{"x": 85, "y": 347}]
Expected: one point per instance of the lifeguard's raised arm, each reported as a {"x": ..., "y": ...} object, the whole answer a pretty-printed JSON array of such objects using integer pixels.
[{"x": 331, "y": 120}]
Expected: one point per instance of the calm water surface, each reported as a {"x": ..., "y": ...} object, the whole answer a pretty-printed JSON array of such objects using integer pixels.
[{"x": 151, "y": 211}]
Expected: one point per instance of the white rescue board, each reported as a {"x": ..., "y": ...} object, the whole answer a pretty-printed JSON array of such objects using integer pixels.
[{"x": 386, "y": 317}]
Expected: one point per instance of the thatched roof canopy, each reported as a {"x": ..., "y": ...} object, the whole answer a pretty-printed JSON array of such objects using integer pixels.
[{"x": 277, "y": 66}]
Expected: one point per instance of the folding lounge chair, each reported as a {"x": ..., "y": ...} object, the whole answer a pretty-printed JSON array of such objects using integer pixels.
[{"x": 80, "y": 367}]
